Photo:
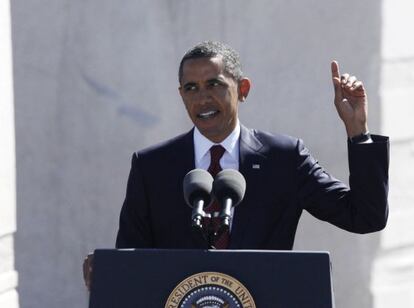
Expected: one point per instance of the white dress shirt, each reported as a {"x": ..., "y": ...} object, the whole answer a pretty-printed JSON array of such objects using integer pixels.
[{"x": 230, "y": 158}]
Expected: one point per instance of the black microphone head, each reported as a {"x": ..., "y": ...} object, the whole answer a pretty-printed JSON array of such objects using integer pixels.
[
  {"x": 197, "y": 184},
  {"x": 229, "y": 183}
]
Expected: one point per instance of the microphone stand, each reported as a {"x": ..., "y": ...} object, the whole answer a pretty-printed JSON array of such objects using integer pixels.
[
  {"x": 225, "y": 221},
  {"x": 208, "y": 233},
  {"x": 199, "y": 229},
  {"x": 198, "y": 214},
  {"x": 225, "y": 215}
]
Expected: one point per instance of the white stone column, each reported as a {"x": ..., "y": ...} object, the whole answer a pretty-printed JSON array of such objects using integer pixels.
[
  {"x": 393, "y": 277},
  {"x": 8, "y": 276}
]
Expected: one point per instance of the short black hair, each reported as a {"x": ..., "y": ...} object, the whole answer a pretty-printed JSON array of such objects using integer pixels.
[{"x": 211, "y": 49}]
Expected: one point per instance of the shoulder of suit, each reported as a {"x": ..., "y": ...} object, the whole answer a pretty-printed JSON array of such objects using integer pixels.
[
  {"x": 270, "y": 141},
  {"x": 173, "y": 144},
  {"x": 275, "y": 140}
]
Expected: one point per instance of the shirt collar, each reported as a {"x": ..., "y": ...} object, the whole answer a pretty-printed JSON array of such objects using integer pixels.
[{"x": 202, "y": 145}]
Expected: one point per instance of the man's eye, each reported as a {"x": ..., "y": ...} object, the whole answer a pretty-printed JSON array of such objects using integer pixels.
[
  {"x": 190, "y": 88},
  {"x": 215, "y": 84}
]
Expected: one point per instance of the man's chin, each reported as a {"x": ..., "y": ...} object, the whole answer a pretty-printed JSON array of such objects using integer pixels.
[{"x": 213, "y": 134}]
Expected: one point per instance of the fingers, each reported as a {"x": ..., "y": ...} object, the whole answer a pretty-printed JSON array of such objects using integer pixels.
[
  {"x": 352, "y": 85},
  {"x": 345, "y": 79},
  {"x": 335, "y": 69},
  {"x": 336, "y": 81},
  {"x": 345, "y": 85},
  {"x": 357, "y": 85}
]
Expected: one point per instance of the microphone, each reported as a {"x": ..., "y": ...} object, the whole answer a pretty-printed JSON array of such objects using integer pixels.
[
  {"x": 197, "y": 186},
  {"x": 229, "y": 187}
]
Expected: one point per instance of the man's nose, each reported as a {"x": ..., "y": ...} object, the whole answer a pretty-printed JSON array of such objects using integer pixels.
[{"x": 204, "y": 96}]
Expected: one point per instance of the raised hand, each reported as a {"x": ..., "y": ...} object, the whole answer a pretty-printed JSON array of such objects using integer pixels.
[{"x": 351, "y": 101}]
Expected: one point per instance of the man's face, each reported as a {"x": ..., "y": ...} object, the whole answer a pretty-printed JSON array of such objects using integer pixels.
[{"x": 211, "y": 97}]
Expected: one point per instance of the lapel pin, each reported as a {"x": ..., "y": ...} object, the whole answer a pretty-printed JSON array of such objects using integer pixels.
[{"x": 256, "y": 166}]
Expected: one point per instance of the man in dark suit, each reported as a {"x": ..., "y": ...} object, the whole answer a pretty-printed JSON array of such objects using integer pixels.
[{"x": 282, "y": 177}]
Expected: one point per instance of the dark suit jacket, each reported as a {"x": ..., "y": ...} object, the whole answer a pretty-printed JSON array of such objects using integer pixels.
[{"x": 155, "y": 215}]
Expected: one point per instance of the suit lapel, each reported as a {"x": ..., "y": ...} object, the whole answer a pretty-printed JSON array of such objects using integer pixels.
[
  {"x": 171, "y": 172},
  {"x": 183, "y": 158},
  {"x": 182, "y": 162},
  {"x": 251, "y": 160}
]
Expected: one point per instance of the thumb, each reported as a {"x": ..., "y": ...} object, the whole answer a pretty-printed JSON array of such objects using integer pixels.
[{"x": 336, "y": 81}]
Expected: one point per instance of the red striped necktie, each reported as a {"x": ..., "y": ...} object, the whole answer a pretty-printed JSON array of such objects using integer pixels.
[{"x": 222, "y": 242}]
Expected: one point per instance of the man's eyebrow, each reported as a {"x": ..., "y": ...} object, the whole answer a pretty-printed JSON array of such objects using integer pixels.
[
  {"x": 190, "y": 83},
  {"x": 221, "y": 80}
]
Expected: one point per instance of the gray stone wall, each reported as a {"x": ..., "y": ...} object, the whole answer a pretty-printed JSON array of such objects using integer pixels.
[
  {"x": 393, "y": 275},
  {"x": 97, "y": 80},
  {"x": 8, "y": 274}
]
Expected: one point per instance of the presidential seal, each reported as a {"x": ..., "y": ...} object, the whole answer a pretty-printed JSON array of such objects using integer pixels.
[{"x": 210, "y": 290}]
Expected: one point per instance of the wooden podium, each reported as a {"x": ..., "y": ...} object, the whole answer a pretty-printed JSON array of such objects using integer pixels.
[{"x": 156, "y": 278}]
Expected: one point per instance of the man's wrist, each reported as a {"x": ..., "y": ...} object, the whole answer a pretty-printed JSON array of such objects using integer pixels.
[{"x": 361, "y": 138}]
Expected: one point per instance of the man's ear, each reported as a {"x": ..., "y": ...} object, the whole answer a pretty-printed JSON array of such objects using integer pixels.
[
  {"x": 180, "y": 90},
  {"x": 244, "y": 88}
]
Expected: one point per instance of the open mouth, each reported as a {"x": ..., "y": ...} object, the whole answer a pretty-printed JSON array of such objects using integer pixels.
[{"x": 208, "y": 114}]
